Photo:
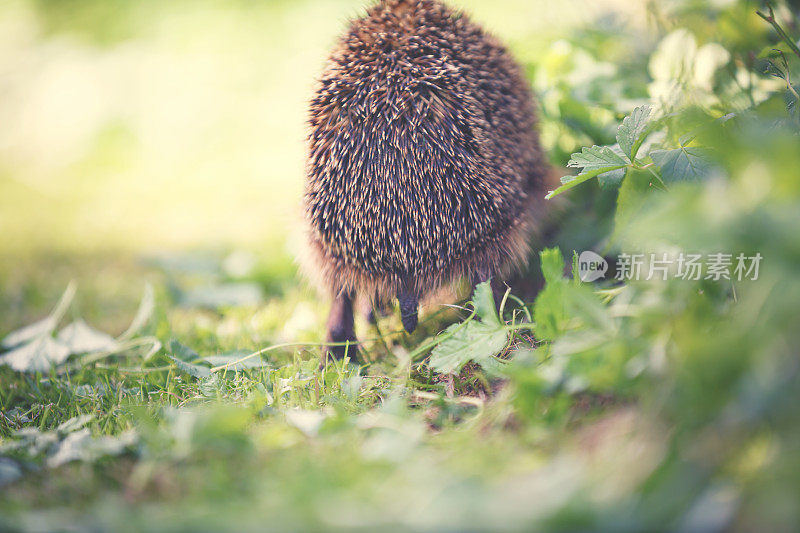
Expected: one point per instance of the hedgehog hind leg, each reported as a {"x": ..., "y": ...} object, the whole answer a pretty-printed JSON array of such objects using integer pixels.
[
  {"x": 341, "y": 327},
  {"x": 375, "y": 309},
  {"x": 409, "y": 310}
]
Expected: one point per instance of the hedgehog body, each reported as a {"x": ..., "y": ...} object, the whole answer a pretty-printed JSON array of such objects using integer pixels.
[{"x": 423, "y": 157}]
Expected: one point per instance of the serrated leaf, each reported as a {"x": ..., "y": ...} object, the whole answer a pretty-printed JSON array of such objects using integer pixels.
[
  {"x": 596, "y": 158},
  {"x": 683, "y": 164},
  {"x": 143, "y": 313},
  {"x": 475, "y": 341},
  {"x": 483, "y": 300},
  {"x": 593, "y": 162},
  {"x": 37, "y": 355},
  {"x": 631, "y": 133},
  {"x": 80, "y": 338},
  {"x": 577, "y": 180}
]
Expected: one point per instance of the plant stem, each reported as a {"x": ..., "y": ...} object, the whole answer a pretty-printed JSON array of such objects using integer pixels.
[{"x": 781, "y": 33}]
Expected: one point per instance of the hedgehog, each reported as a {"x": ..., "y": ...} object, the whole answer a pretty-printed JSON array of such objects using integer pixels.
[{"x": 424, "y": 164}]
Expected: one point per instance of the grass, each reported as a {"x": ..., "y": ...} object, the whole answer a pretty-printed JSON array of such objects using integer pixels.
[
  {"x": 385, "y": 441},
  {"x": 235, "y": 421}
]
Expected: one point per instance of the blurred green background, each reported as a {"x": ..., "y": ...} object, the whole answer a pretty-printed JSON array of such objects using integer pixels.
[{"x": 148, "y": 125}]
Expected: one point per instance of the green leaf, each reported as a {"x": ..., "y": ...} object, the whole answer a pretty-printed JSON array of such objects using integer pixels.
[
  {"x": 478, "y": 341},
  {"x": 182, "y": 352},
  {"x": 593, "y": 162},
  {"x": 613, "y": 179},
  {"x": 584, "y": 304},
  {"x": 683, "y": 164},
  {"x": 193, "y": 370},
  {"x": 597, "y": 158},
  {"x": 475, "y": 341},
  {"x": 573, "y": 181},
  {"x": 483, "y": 300},
  {"x": 549, "y": 311},
  {"x": 184, "y": 358},
  {"x": 552, "y": 265},
  {"x": 631, "y": 133},
  {"x": 630, "y": 200}
]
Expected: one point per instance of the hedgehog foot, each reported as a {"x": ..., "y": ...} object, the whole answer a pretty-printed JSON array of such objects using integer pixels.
[
  {"x": 341, "y": 328},
  {"x": 373, "y": 310},
  {"x": 409, "y": 309}
]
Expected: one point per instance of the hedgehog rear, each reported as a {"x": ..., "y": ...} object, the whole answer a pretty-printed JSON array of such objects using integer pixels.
[{"x": 423, "y": 158}]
